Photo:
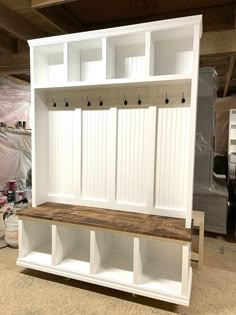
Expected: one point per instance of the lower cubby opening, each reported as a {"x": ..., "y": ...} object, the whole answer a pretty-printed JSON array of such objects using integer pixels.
[
  {"x": 72, "y": 251},
  {"x": 37, "y": 240},
  {"x": 113, "y": 257},
  {"x": 160, "y": 266}
]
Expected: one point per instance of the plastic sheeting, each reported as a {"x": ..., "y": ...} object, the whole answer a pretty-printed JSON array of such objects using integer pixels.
[
  {"x": 15, "y": 157},
  {"x": 15, "y": 145},
  {"x": 204, "y": 148},
  {"x": 14, "y": 102},
  {"x": 223, "y": 105}
]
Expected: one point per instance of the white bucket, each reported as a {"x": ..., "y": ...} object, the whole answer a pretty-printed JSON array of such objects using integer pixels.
[{"x": 11, "y": 231}]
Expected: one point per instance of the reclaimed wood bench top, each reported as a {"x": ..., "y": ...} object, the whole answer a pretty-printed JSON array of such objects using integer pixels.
[{"x": 112, "y": 220}]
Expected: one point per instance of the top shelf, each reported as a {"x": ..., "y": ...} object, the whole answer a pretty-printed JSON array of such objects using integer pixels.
[
  {"x": 113, "y": 220},
  {"x": 127, "y": 53}
]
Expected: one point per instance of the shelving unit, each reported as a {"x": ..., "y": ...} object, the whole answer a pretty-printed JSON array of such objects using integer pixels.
[
  {"x": 121, "y": 250},
  {"x": 118, "y": 108}
]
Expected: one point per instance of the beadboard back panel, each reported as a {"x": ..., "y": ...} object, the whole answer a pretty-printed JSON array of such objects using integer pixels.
[
  {"x": 61, "y": 134},
  {"x": 133, "y": 159},
  {"x": 171, "y": 158},
  {"x": 130, "y": 156},
  {"x": 94, "y": 154}
]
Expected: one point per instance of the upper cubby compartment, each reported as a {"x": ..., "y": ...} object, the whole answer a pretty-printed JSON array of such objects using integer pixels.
[
  {"x": 125, "y": 56},
  {"x": 49, "y": 65},
  {"x": 171, "y": 51},
  {"x": 85, "y": 61}
]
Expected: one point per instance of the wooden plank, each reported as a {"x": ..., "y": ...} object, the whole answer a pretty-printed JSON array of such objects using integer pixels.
[
  {"x": 60, "y": 19},
  {"x": 18, "y": 26},
  {"x": 14, "y": 64},
  {"x": 229, "y": 74},
  {"x": 218, "y": 42},
  {"x": 46, "y": 3},
  {"x": 7, "y": 43},
  {"x": 112, "y": 220}
]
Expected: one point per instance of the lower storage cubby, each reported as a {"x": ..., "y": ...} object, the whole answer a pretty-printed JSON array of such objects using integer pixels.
[
  {"x": 37, "y": 242},
  {"x": 72, "y": 249},
  {"x": 113, "y": 256},
  {"x": 160, "y": 266}
]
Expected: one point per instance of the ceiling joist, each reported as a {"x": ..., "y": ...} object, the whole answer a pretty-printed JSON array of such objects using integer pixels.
[
  {"x": 61, "y": 19},
  {"x": 46, "y": 3},
  {"x": 229, "y": 74},
  {"x": 18, "y": 26},
  {"x": 7, "y": 44},
  {"x": 218, "y": 42},
  {"x": 14, "y": 63}
]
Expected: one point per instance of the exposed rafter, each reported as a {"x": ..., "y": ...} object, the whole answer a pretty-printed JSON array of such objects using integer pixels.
[
  {"x": 229, "y": 74},
  {"x": 7, "y": 44},
  {"x": 47, "y": 3},
  {"x": 14, "y": 63},
  {"x": 18, "y": 26},
  {"x": 61, "y": 19},
  {"x": 220, "y": 42}
]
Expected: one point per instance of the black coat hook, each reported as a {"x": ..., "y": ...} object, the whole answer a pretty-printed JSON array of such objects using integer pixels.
[
  {"x": 166, "y": 100},
  {"x": 66, "y": 103},
  {"x": 183, "y": 99},
  {"x": 54, "y": 103},
  {"x": 139, "y": 100},
  {"x": 88, "y": 103},
  {"x": 125, "y": 101},
  {"x": 100, "y": 101}
]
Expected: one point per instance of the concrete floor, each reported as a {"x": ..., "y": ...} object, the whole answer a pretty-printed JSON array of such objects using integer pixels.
[{"x": 29, "y": 292}]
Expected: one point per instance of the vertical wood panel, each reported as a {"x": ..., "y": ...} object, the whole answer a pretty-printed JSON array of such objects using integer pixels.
[
  {"x": 171, "y": 158},
  {"x": 95, "y": 154},
  {"x": 131, "y": 150},
  {"x": 61, "y": 153}
]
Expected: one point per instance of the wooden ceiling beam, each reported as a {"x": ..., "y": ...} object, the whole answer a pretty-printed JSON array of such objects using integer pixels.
[
  {"x": 7, "y": 44},
  {"x": 18, "y": 26},
  {"x": 46, "y": 3},
  {"x": 218, "y": 43},
  {"x": 14, "y": 63},
  {"x": 61, "y": 19},
  {"x": 229, "y": 75}
]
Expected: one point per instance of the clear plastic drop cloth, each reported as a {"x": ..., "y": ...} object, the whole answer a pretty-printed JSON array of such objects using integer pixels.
[
  {"x": 15, "y": 144},
  {"x": 14, "y": 102}
]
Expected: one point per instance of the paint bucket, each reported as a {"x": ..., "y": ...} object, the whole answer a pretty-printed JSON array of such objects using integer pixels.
[{"x": 11, "y": 231}]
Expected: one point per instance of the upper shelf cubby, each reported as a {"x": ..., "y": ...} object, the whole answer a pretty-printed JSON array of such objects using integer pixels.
[
  {"x": 49, "y": 64},
  {"x": 125, "y": 56},
  {"x": 171, "y": 51},
  {"x": 146, "y": 52},
  {"x": 85, "y": 61}
]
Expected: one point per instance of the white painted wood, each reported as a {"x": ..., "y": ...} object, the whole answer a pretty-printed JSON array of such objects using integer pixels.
[
  {"x": 37, "y": 240},
  {"x": 232, "y": 134},
  {"x": 134, "y": 158},
  {"x": 186, "y": 252},
  {"x": 73, "y": 249},
  {"x": 40, "y": 143},
  {"x": 115, "y": 254},
  {"x": 95, "y": 155},
  {"x": 171, "y": 158},
  {"x": 131, "y": 177},
  {"x": 77, "y": 154},
  {"x": 173, "y": 50},
  {"x": 112, "y": 156},
  {"x": 161, "y": 266},
  {"x": 150, "y": 156},
  {"x": 61, "y": 153},
  {"x": 192, "y": 125}
]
